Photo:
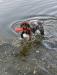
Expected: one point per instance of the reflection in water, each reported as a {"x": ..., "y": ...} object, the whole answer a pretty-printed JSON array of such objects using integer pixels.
[{"x": 27, "y": 46}]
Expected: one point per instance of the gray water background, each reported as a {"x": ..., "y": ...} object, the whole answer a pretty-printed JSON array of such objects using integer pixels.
[{"x": 42, "y": 60}]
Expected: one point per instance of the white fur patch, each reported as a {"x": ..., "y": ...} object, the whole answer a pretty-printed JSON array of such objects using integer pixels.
[
  {"x": 26, "y": 36},
  {"x": 37, "y": 32}
]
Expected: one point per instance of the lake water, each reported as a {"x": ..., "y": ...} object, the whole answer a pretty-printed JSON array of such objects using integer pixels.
[{"x": 41, "y": 61}]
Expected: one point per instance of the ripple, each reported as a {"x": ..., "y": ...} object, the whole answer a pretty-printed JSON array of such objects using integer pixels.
[
  {"x": 50, "y": 45},
  {"x": 16, "y": 24}
]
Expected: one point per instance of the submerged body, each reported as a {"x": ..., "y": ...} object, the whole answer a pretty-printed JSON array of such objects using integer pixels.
[{"x": 30, "y": 28}]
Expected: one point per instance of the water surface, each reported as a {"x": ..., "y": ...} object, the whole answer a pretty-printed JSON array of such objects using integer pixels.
[{"x": 41, "y": 60}]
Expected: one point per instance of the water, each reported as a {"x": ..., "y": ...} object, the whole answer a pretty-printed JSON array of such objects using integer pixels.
[{"x": 41, "y": 60}]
